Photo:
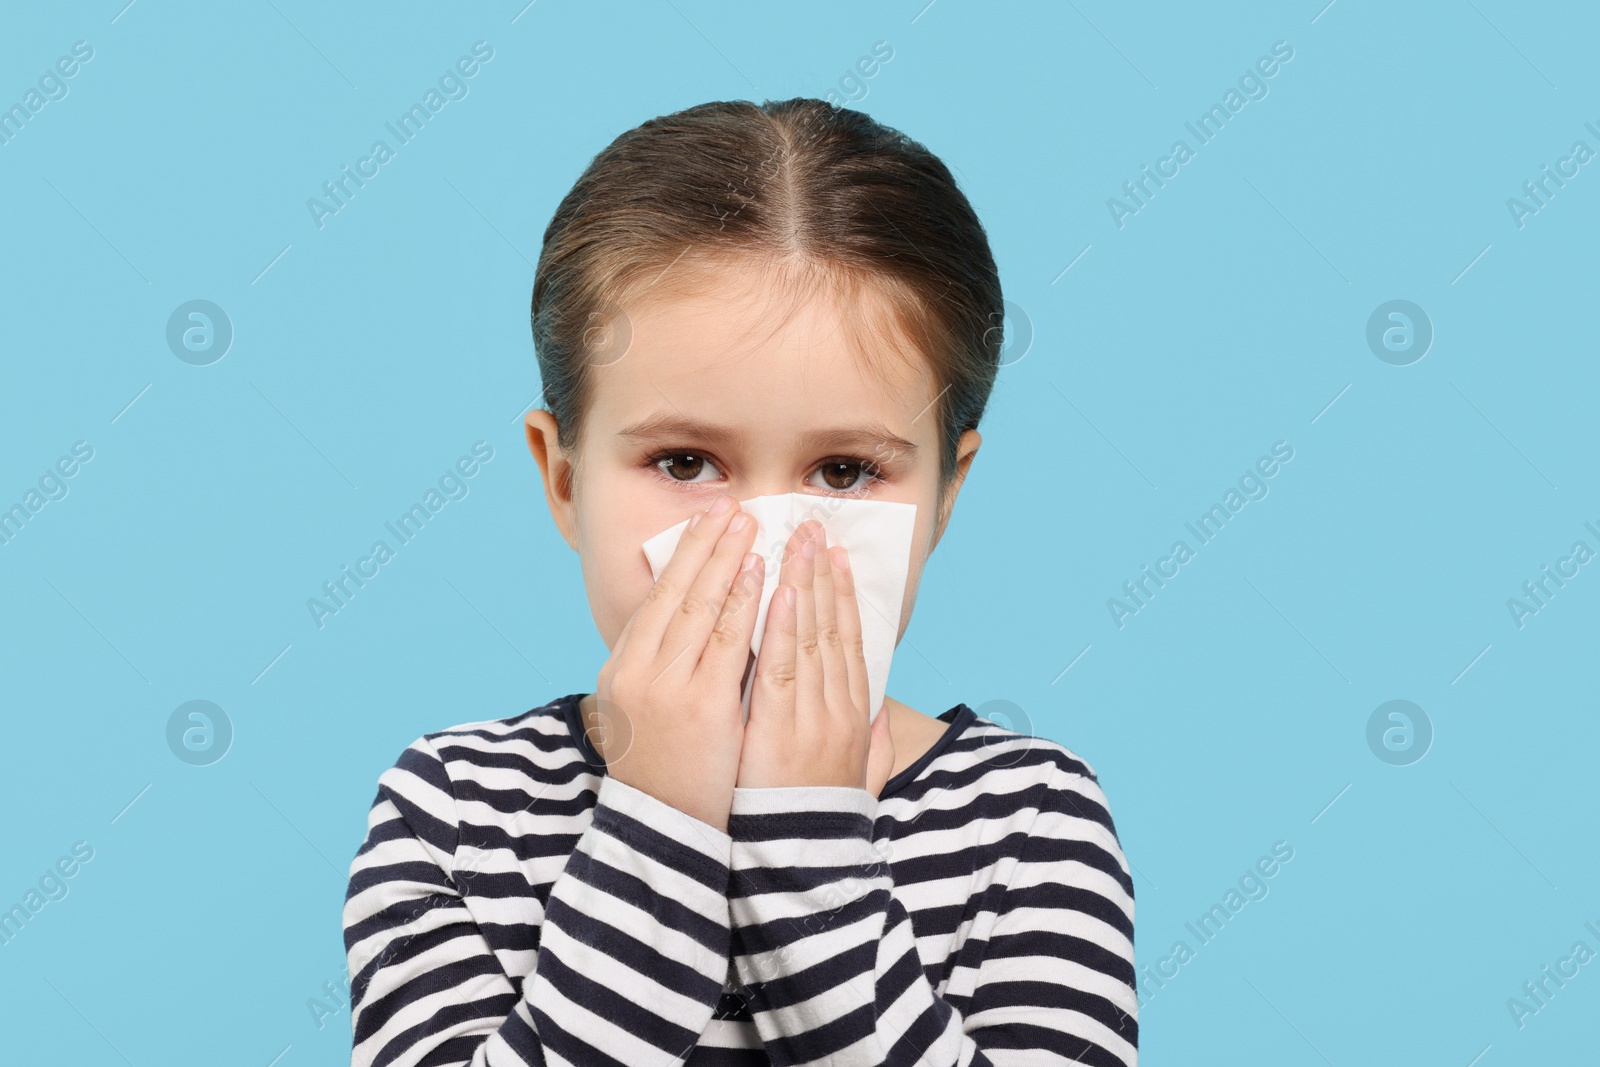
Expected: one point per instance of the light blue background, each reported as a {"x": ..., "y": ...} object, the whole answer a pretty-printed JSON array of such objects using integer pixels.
[{"x": 1223, "y": 317}]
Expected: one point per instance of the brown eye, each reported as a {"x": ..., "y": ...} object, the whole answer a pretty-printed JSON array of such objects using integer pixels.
[
  {"x": 844, "y": 475},
  {"x": 839, "y": 475},
  {"x": 682, "y": 466}
]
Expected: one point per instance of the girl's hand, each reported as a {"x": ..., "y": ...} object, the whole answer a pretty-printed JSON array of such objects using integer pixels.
[
  {"x": 668, "y": 697},
  {"x": 808, "y": 712}
]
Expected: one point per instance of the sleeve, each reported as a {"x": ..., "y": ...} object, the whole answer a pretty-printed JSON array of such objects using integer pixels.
[
  {"x": 633, "y": 949},
  {"x": 830, "y": 965}
]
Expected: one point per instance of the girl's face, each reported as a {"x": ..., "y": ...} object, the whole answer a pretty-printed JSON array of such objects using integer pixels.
[{"x": 716, "y": 394}]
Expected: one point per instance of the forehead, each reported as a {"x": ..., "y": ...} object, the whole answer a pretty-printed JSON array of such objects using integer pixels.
[{"x": 745, "y": 348}]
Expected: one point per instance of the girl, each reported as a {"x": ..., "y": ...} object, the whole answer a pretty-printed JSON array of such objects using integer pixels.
[{"x": 734, "y": 301}]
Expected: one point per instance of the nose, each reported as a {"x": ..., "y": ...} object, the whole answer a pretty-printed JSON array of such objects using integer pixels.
[{"x": 751, "y": 490}]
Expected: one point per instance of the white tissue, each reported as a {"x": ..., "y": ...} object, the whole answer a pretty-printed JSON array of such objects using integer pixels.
[{"x": 876, "y": 533}]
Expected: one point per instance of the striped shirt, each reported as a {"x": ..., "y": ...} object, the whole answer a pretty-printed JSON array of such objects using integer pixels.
[{"x": 512, "y": 905}]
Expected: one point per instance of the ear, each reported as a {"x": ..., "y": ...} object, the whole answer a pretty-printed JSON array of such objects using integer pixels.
[
  {"x": 966, "y": 449},
  {"x": 556, "y": 468}
]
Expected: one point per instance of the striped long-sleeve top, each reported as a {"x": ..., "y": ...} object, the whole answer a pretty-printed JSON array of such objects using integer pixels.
[{"x": 513, "y": 905}]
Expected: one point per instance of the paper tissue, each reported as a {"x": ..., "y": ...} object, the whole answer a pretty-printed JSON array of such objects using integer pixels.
[{"x": 876, "y": 533}]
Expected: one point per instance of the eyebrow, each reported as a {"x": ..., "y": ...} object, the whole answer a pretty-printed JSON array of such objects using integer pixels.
[{"x": 666, "y": 424}]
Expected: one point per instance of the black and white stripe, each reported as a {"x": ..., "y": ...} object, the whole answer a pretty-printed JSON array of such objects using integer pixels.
[{"x": 979, "y": 911}]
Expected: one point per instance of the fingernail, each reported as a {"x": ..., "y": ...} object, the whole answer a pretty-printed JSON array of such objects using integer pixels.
[
  {"x": 808, "y": 550},
  {"x": 750, "y": 560},
  {"x": 722, "y": 505},
  {"x": 841, "y": 559},
  {"x": 693, "y": 521},
  {"x": 740, "y": 521}
]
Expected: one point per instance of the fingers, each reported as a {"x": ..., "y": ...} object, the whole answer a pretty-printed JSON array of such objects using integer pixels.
[
  {"x": 811, "y": 678},
  {"x": 847, "y": 616},
  {"x": 776, "y": 666},
  {"x": 727, "y": 653},
  {"x": 694, "y": 549},
  {"x": 831, "y": 648},
  {"x": 808, "y": 668},
  {"x": 684, "y": 641}
]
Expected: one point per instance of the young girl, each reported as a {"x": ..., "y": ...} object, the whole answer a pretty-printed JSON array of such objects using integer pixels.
[{"x": 735, "y": 301}]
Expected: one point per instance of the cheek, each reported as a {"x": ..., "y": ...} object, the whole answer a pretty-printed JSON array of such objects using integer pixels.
[
  {"x": 616, "y": 573},
  {"x": 617, "y": 582},
  {"x": 913, "y": 574}
]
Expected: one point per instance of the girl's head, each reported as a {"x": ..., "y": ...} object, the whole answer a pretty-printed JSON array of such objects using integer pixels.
[{"x": 756, "y": 299}]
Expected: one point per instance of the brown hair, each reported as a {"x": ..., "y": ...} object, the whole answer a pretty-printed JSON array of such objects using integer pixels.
[{"x": 824, "y": 195}]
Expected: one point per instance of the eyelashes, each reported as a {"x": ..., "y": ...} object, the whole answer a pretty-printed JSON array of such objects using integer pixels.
[
  {"x": 867, "y": 472},
  {"x": 870, "y": 474}
]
